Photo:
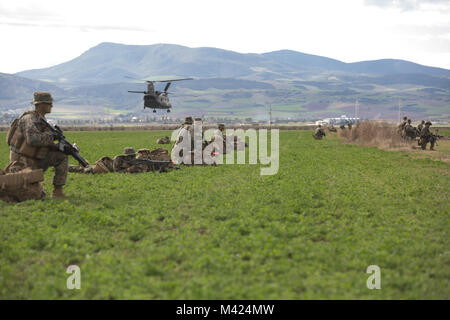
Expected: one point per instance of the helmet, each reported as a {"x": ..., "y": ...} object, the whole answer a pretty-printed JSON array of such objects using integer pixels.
[
  {"x": 129, "y": 151},
  {"x": 188, "y": 120},
  {"x": 428, "y": 123}
]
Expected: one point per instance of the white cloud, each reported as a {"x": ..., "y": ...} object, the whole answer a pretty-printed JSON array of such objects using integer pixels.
[{"x": 44, "y": 33}]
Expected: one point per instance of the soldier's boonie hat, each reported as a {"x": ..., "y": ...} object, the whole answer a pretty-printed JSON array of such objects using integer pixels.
[
  {"x": 221, "y": 125},
  {"x": 428, "y": 122},
  {"x": 198, "y": 119},
  {"x": 188, "y": 120},
  {"x": 129, "y": 151},
  {"x": 42, "y": 97}
]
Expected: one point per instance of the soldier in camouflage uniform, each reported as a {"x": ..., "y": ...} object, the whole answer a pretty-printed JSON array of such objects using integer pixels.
[
  {"x": 32, "y": 143},
  {"x": 319, "y": 133},
  {"x": 402, "y": 125},
  {"x": 186, "y": 128},
  {"x": 103, "y": 165},
  {"x": 426, "y": 136},
  {"x": 122, "y": 163},
  {"x": 420, "y": 126},
  {"x": 164, "y": 140}
]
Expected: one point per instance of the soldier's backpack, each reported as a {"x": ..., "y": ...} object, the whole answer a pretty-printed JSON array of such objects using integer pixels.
[{"x": 13, "y": 128}]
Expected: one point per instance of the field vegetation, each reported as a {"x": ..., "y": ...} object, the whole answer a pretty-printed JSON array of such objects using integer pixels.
[{"x": 226, "y": 232}]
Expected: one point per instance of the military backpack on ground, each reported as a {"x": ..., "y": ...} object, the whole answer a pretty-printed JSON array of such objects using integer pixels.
[{"x": 22, "y": 185}]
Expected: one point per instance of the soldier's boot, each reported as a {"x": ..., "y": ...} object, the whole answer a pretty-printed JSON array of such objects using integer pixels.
[
  {"x": 432, "y": 146},
  {"x": 424, "y": 145},
  {"x": 58, "y": 192}
]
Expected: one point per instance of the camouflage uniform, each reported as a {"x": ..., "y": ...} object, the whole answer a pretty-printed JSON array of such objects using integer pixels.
[
  {"x": 319, "y": 133},
  {"x": 402, "y": 125},
  {"x": 122, "y": 164},
  {"x": 426, "y": 136},
  {"x": 164, "y": 140},
  {"x": 188, "y": 127},
  {"x": 32, "y": 143},
  {"x": 420, "y": 126},
  {"x": 103, "y": 165}
]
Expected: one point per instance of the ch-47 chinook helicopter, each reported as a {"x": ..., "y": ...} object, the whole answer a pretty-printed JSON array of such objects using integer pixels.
[{"x": 155, "y": 99}]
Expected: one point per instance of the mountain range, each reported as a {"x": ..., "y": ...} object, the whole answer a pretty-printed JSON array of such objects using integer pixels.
[{"x": 235, "y": 84}]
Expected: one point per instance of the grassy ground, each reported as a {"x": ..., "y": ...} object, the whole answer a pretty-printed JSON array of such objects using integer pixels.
[{"x": 308, "y": 232}]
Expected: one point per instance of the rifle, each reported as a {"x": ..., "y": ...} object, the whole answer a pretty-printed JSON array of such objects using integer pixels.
[
  {"x": 64, "y": 145},
  {"x": 154, "y": 165}
]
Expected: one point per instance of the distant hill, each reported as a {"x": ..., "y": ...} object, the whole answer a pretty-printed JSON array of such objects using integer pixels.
[
  {"x": 227, "y": 83},
  {"x": 18, "y": 91},
  {"x": 111, "y": 62}
]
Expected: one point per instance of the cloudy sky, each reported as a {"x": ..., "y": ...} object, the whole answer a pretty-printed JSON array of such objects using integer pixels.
[{"x": 37, "y": 34}]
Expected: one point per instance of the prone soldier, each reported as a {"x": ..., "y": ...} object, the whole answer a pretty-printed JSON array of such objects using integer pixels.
[
  {"x": 103, "y": 165},
  {"x": 121, "y": 163},
  {"x": 164, "y": 140}
]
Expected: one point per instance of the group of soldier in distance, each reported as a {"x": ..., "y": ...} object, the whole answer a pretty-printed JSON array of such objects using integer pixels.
[
  {"x": 35, "y": 145},
  {"x": 423, "y": 133},
  {"x": 319, "y": 133},
  {"x": 405, "y": 129}
]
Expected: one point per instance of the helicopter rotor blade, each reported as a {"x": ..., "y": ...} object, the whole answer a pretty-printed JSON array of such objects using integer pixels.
[
  {"x": 132, "y": 91},
  {"x": 171, "y": 80},
  {"x": 143, "y": 80},
  {"x": 167, "y": 86}
]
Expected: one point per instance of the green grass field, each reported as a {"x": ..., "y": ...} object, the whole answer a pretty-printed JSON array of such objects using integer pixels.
[{"x": 226, "y": 232}]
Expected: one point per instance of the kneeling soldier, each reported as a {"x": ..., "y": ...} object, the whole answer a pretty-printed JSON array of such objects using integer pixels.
[
  {"x": 426, "y": 136},
  {"x": 319, "y": 133},
  {"x": 32, "y": 143}
]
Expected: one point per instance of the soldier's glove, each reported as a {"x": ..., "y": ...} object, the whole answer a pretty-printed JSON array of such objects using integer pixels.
[
  {"x": 76, "y": 147},
  {"x": 61, "y": 147}
]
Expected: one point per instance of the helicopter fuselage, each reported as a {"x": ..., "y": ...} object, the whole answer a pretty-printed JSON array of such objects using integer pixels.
[{"x": 156, "y": 101}]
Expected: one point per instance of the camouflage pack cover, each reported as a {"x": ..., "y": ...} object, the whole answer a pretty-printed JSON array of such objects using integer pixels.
[
  {"x": 160, "y": 154},
  {"x": 21, "y": 186},
  {"x": 108, "y": 162},
  {"x": 100, "y": 167},
  {"x": 143, "y": 154}
]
